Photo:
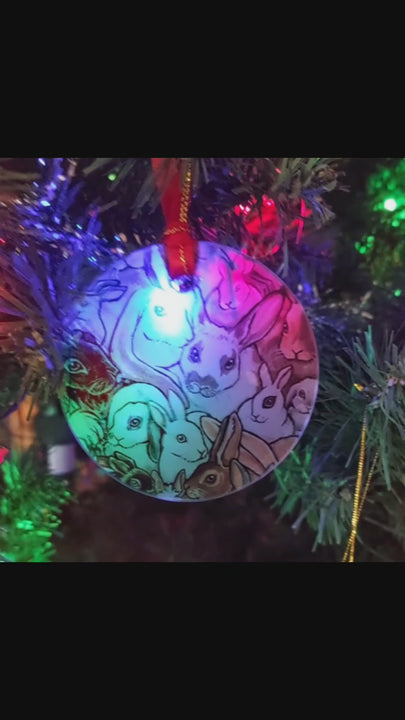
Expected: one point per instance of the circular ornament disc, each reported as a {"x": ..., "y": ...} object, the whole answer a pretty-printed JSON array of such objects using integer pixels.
[{"x": 189, "y": 393}]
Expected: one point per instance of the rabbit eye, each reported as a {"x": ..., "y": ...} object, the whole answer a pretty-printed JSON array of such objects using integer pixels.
[
  {"x": 210, "y": 479},
  {"x": 160, "y": 311},
  {"x": 181, "y": 438},
  {"x": 194, "y": 355},
  {"x": 227, "y": 364},
  {"x": 285, "y": 328},
  {"x": 269, "y": 402},
  {"x": 134, "y": 423},
  {"x": 74, "y": 366},
  {"x": 230, "y": 364},
  {"x": 302, "y": 394}
]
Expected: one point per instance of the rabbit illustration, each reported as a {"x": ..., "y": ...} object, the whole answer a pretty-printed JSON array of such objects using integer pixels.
[
  {"x": 300, "y": 402},
  {"x": 254, "y": 453},
  {"x": 291, "y": 343},
  {"x": 183, "y": 443},
  {"x": 223, "y": 473},
  {"x": 89, "y": 375},
  {"x": 271, "y": 343},
  {"x": 297, "y": 340},
  {"x": 265, "y": 414},
  {"x": 240, "y": 285},
  {"x": 129, "y": 473},
  {"x": 131, "y": 426},
  {"x": 156, "y": 322},
  {"x": 88, "y": 313},
  {"x": 211, "y": 362}
]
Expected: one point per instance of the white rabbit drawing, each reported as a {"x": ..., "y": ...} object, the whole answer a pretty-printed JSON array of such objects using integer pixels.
[
  {"x": 265, "y": 414},
  {"x": 183, "y": 444},
  {"x": 156, "y": 322},
  {"x": 218, "y": 359},
  {"x": 131, "y": 428},
  {"x": 300, "y": 402}
]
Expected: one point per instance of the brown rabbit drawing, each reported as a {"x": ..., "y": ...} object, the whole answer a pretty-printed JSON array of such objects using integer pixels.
[{"x": 224, "y": 472}]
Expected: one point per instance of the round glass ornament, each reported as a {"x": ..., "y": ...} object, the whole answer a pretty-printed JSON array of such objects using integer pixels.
[{"x": 189, "y": 391}]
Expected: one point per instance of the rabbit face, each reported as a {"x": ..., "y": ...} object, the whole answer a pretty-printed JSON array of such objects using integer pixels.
[
  {"x": 130, "y": 425},
  {"x": 301, "y": 396},
  {"x": 211, "y": 481},
  {"x": 156, "y": 322},
  {"x": 297, "y": 342},
  {"x": 89, "y": 374},
  {"x": 223, "y": 473},
  {"x": 266, "y": 414},
  {"x": 211, "y": 362},
  {"x": 184, "y": 441},
  {"x": 300, "y": 402}
]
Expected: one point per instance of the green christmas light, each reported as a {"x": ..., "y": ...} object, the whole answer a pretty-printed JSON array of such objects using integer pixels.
[
  {"x": 390, "y": 204},
  {"x": 112, "y": 177},
  {"x": 397, "y": 293}
]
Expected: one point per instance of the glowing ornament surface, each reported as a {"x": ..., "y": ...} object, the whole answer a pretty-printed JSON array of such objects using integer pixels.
[{"x": 189, "y": 393}]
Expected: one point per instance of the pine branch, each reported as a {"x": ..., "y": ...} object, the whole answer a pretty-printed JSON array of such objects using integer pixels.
[{"x": 30, "y": 509}]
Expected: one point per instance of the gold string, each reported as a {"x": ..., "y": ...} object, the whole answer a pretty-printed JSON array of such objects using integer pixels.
[
  {"x": 359, "y": 501},
  {"x": 183, "y": 220}
]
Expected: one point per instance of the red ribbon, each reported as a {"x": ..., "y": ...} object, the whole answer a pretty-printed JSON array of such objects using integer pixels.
[{"x": 180, "y": 246}]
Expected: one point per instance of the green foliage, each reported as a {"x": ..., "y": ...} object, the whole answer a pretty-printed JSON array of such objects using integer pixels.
[
  {"x": 317, "y": 481},
  {"x": 383, "y": 245},
  {"x": 30, "y": 508},
  {"x": 325, "y": 503}
]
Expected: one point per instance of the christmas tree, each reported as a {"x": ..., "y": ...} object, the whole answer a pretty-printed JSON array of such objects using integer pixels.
[{"x": 332, "y": 229}]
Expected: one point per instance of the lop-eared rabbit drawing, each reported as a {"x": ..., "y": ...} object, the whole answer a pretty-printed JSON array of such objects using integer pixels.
[
  {"x": 131, "y": 426},
  {"x": 219, "y": 367},
  {"x": 235, "y": 460},
  {"x": 232, "y": 286},
  {"x": 266, "y": 414}
]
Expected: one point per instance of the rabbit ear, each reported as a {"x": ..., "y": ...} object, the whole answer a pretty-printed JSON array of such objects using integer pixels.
[
  {"x": 265, "y": 375},
  {"x": 176, "y": 406},
  {"x": 239, "y": 476},
  {"x": 258, "y": 449},
  {"x": 180, "y": 482},
  {"x": 158, "y": 415},
  {"x": 155, "y": 269},
  {"x": 260, "y": 462},
  {"x": 226, "y": 446},
  {"x": 153, "y": 441},
  {"x": 210, "y": 427},
  {"x": 283, "y": 377},
  {"x": 259, "y": 321}
]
